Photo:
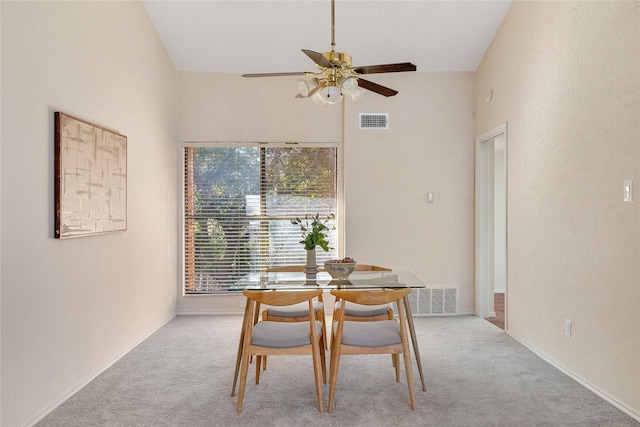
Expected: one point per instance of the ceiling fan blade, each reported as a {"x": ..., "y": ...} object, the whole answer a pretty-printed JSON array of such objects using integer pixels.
[
  {"x": 295, "y": 73},
  {"x": 375, "y": 87},
  {"x": 318, "y": 58},
  {"x": 315, "y": 89},
  {"x": 385, "y": 68}
]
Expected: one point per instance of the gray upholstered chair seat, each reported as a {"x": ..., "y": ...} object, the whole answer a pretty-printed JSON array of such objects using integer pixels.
[
  {"x": 370, "y": 334},
  {"x": 359, "y": 310},
  {"x": 295, "y": 310},
  {"x": 283, "y": 334}
]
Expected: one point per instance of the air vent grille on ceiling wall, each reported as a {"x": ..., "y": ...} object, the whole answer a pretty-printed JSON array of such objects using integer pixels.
[{"x": 374, "y": 120}]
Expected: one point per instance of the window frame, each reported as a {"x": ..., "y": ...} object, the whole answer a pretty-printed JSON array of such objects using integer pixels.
[{"x": 225, "y": 144}]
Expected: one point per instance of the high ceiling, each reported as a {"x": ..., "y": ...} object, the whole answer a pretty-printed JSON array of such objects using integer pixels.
[{"x": 263, "y": 36}]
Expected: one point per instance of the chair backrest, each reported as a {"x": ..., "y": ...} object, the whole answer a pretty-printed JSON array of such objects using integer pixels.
[
  {"x": 371, "y": 297},
  {"x": 286, "y": 269},
  {"x": 367, "y": 267},
  {"x": 280, "y": 298}
]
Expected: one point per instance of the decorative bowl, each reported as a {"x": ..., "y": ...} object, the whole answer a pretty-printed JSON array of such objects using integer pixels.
[{"x": 339, "y": 270}]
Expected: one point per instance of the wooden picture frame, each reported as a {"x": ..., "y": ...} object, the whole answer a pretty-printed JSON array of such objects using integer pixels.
[{"x": 90, "y": 178}]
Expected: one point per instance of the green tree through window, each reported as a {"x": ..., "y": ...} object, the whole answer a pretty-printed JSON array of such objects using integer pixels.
[{"x": 239, "y": 202}]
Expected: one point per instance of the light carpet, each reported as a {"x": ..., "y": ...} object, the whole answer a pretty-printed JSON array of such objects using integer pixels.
[{"x": 476, "y": 376}]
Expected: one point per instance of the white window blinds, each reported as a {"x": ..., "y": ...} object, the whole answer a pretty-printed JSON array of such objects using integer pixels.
[{"x": 238, "y": 205}]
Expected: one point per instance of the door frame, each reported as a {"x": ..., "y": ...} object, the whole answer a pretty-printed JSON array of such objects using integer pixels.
[{"x": 484, "y": 167}]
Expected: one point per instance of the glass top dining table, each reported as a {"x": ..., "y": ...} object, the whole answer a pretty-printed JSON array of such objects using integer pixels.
[
  {"x": 322, "y": 280},
  {"x": 358, "y": 280}
]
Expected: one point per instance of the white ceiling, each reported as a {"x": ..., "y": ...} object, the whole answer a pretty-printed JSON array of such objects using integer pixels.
[{"x": 263, "y": 36}]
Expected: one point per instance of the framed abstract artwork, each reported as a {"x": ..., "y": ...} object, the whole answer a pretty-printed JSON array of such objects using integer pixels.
[{"x": 90, "y": 179}]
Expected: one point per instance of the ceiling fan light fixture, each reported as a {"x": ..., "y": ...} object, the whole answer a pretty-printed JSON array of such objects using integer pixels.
[
  {"x": 318, "y": 99},
  {"x": 348, "y": 85},
  {"x": 357, "y": 95},
  {"x": 337, "y": 78},
  {"x": 305, "y": 86},
  {"x": 331, "y": 94}
]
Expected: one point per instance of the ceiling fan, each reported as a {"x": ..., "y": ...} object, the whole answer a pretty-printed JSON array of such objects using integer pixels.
[{"x": 337, "y": 77}]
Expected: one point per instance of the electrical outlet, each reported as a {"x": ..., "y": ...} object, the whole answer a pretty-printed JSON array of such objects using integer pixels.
[{"x": 567, "y": 327}]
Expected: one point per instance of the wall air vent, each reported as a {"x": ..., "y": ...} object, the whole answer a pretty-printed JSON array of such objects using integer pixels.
[
  {"x": 374, "y": 121},
  {"x": 434, "y": 301}
]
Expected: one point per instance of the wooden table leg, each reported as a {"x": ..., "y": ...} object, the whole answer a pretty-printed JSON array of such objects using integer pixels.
[
  {"x": 414, "y": 340},
  {"x": 240, "y": 345}
]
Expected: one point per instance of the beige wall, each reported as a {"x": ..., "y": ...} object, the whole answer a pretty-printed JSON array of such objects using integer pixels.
[
  {"x": 228, "y": 107},
  {"x": 565, "y": 77},
  {"x": 72, "y": 307},
  {"x": 429, "y": 147}
]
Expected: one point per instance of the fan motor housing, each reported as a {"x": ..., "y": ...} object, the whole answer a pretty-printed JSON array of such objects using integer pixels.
[{"x": 340, "y": 59}]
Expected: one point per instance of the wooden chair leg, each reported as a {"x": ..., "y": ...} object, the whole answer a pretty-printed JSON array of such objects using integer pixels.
[
  {"x": 321, "y": 317},
  {"x": 243, "y": 380},
  {"x": 409, "y": 372},
  {"x": 334, "y": 364},
  {"x": 258, "y": 362},
  {"x": 333, "y": 321},
  {"x": 390, "y": 317},
  {"x": 323, "y": 360},
  {"x": 316, "y": 371},
  {"x": 241, "y": 346},
  {"x": 396, "y": 364}
]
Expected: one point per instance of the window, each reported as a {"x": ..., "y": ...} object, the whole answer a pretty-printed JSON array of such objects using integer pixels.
[{"x": 239, "y": 201}]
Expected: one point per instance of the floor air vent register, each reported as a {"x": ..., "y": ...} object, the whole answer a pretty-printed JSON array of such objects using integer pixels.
[{"x": 434, "y": 301}]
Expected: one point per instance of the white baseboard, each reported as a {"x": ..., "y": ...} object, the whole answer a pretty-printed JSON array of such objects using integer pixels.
[
  {"x": 212, "y": 312},
  {"x": 240, "y": 313},
  {"x": 91, "y": 377},
  {"x": 633, "y": 414}
]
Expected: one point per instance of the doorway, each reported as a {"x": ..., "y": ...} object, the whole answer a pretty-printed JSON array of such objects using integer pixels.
[{"x": 491, "y": 222}]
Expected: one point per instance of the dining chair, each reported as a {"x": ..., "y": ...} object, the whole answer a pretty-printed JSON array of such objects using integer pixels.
[
  {"x": 279, "y": 338},
  {"x": 293, "y": 313},
  {"x": 362, "y": 313},
  {"x": 365, "y": 313},
  {"x": 375, "y": 337}
]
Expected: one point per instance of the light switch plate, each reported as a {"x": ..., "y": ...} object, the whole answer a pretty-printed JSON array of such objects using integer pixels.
[
  {"x": 628, "y": 190},
  {"x": 431, "y": 197}
]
